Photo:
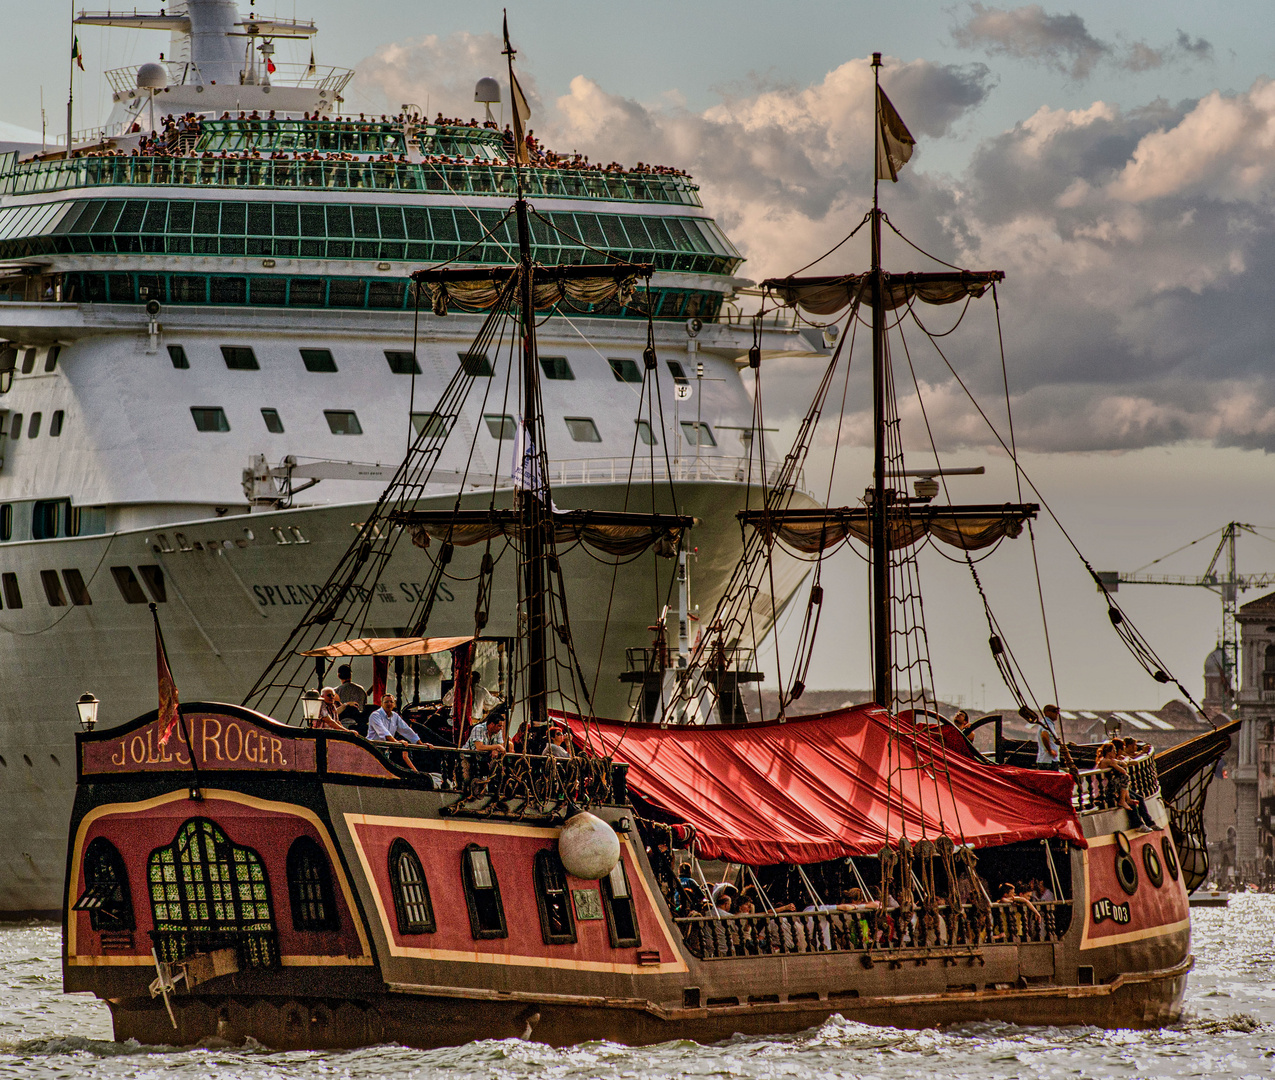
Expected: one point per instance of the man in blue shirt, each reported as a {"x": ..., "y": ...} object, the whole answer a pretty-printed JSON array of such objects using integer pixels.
[{"x": 385, "y": 725}]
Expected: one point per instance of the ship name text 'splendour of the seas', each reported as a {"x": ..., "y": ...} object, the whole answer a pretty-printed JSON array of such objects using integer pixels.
[{"x": 288, "y": 595}]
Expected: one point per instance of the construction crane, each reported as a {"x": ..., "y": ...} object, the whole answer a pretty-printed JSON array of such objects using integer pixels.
[{"x": 1228, "y": 583}]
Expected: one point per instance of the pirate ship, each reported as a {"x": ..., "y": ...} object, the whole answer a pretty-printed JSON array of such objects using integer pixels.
[{"x": 233, "y": 875}]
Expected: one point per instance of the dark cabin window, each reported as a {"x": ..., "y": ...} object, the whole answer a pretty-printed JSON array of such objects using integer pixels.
[
  {"x": 51, "y": 358},
  {"x": 412, "y": 906},
  {"x": 12, "y": 594},
  {"x": 320, "y": 360},
  {"x": 556, "y": 368},
  {"x": 582, "y": 429},
  {"x": 646, "y": 434},
  {"x": 15, "y": 426},
  {"x": 240, "y": 358},
  {"x": 128, "y": 585},
  {"x": 310, "y": 887},
  {"x": 476, "y": 364},
  {"x": 46, "y": 519},
  {"x": 76, "y": 588},
  {"x": 402, "y": 363},
  {"x": 625, "y": 370},
  {"x": 52, "y": 588},
  {"x": 177, "y": 354},
  {"x": 698, "y": 434},
  {"x": 106, "y": 894},
  {"x": 617, "y": 899},
  {"x": 501, "y": 427},
  {"x": 482, "y": 894},
  {"x": 557, "y": 922},
  {"x": 153, "y": 576},
  {"x": 343, "y": 422},
  {"x": 55, "y": 424},
  {"x": 6, "y": 521},
  {"x": 33, "y": 425},
  {"x": 209, "y": 418},
  {"x": 274, "y": 423},
  {"x": 678, "y": 372}
]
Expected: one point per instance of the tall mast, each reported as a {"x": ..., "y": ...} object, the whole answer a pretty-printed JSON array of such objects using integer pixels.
[
  {"x": 530, "y": 503},
  {"x": 882, "y": 659}
]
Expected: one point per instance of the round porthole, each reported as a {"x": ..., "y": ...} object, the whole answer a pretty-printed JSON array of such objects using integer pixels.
[
  {"x": 1151, "y": 863},
  {"x": 1126, "y": 871},
  {"x": 1170, "y": 856}
]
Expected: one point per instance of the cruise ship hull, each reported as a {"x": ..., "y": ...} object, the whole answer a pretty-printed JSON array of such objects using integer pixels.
[{"x": 236, "y": 586}]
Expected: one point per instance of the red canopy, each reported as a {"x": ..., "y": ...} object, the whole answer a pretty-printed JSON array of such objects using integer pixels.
[{"x": 830, "y": 785}]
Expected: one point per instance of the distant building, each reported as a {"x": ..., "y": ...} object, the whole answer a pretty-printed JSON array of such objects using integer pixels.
[{"x": 1255, "y": 786}]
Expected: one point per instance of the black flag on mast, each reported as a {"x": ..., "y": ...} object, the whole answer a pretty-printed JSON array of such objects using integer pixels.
[{"x": 894, "y": 141}]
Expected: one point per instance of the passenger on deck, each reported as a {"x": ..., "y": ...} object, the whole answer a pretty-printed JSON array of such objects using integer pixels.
[
  {"x": 961, "y": 721},
  {"x": 488, "y": 735},
  {"x": 385, "y": 725},
  {"x": 328, "y": 705},
  {"x": 481, "y": 700},
  {"x": 1048, "y": 741},
  {"x": 559, "y": 746},
  {"x": 352, "y": 696}
]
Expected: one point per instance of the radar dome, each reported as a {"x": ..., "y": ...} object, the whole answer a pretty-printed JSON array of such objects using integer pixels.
[
  {"x": 152, "y": 76},
  {"x": 487, "y": 91}
]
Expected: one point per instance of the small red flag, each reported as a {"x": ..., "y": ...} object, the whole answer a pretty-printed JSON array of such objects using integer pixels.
[
  {"x": 270, "y": 66},
  {"x": 168, "y": 704}
]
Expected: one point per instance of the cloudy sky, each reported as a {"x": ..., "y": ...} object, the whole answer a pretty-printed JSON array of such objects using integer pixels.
[{"x": 1115, "y": 160}]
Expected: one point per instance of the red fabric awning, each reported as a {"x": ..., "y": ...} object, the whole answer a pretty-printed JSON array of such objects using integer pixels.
[{"x": 817, "y": 787}]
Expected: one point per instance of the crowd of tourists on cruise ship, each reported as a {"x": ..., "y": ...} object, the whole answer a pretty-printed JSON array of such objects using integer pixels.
[{"x": 180, "y": 134}]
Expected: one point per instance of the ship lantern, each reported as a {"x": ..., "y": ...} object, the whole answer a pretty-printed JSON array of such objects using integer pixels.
[
  {"x": 588, "y": 847},
  {"x": 310, "y": 705},
  {"x": 87, "y": 708}
]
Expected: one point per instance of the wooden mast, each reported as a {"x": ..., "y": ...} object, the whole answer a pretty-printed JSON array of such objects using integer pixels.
[
  {"x": 529, "y": 494},
  {"x": 882, "y": 655}
]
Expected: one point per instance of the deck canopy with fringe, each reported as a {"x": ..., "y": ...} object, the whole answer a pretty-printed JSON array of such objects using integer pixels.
[
  {"x": 966, "y": 527},
  {"x": 830, "y": 785},
  {"x": 389, "y": 646}
]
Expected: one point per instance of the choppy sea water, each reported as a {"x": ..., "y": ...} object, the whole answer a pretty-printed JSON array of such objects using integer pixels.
[{"x": 1229, "y": 1031}]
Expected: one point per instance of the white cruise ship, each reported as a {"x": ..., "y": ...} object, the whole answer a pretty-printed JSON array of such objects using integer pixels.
[{"x": 206, "y": 376}]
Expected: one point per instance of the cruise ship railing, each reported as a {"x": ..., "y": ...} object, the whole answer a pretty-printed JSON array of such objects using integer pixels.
[
  {"x": 617, "y": 470},
  {"x": 36, "y": 177},
  {"x": 1099, "y": 789},
  {"x": 719, "y": 937}
]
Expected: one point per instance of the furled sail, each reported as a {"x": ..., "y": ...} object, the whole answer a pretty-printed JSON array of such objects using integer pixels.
[
  {"x": 966, "y": 527},
  {"x": 827, "y": 295},
  {"x": 478, "y": 289},
  {"x": 615, "y": 534}
]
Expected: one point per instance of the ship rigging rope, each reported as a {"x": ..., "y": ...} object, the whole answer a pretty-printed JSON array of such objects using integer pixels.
[{"x": 1138, "y": 646}]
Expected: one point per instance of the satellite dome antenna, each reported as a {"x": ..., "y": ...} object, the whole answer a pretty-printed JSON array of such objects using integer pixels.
[
  {"x": 152, "y": 77},
  {"x": 487, "y": 91}
]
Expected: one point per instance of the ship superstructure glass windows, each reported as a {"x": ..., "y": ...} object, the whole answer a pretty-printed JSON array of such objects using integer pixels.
[
  {"x": 48, "y": 516},
  {"x": 698, "y": 434},
  {"x": 33, "y": 425},
  {"x": 678, "y": 372},
  {"x": 209, "y": 418},
  {"x": 76, "y": 589},
  {"x": 177, "y": 354},
  {"x": 6, "y": 521},
  {"x": 12, "y": 593},
  {"x": 646, "y": 434},
  {"x": 582, "y": 429},
  {"x": 274, "y": 424},
  {"x": 56, "y": 423},
  {"x": 318, "y": 360},
  {"x": 239, "y": 357},
  {"x": 625, "y": 370},
  {"x": 556, "y": 368},
  {"x": 402, "y": 362},
  {"x": 154, "y": 577},
  {"x": 346, "y": 231},
  {"x": 343, "y": 422},
  {"x": 15, "y": 426},
  {"x": 51, "y": 358}
]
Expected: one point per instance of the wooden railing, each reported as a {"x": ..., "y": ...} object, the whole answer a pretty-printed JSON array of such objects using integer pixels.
[
  {"x": 717, "y": 937},
  {"x": 1098, "y": 789}
]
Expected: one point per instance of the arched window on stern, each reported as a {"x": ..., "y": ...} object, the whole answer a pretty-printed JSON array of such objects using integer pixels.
[
  {"x": 482, "y": 894},
  {"x": 617, "y": 900},
  {"x": 310, "y": 887},
  {"x": 412, "y": 906},
  {"x": 106, "y": 894}
]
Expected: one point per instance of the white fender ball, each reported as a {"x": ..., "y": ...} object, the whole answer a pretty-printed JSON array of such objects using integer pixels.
[{"x": 588, "y": 847}]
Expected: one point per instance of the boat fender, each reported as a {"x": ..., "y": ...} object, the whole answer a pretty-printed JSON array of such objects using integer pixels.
[{"x": 588, "y": 847}]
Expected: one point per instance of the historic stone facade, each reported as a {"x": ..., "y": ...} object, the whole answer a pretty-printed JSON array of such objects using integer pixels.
[{"x": 1255, "y": 746}]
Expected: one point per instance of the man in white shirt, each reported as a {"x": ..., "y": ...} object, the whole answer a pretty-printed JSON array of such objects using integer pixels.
[
  {"x": 1047, "y": 739},
  {"x": 480, "y": 698}
]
